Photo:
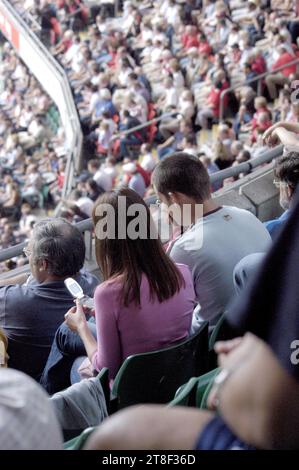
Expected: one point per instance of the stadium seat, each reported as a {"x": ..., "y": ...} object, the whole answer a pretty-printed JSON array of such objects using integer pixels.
[
  {"x": 154, "y": 377},
  {"x": 204, "y": 390},
  {"x": 221, "y": 332},
  {"x": 104, "y": 379},
  {"x": 78, "y": 442},
  {"x": 192, "y": 393}
]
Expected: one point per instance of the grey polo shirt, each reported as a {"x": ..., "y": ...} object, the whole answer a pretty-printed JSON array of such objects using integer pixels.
[{"x": 211, "y": 248}]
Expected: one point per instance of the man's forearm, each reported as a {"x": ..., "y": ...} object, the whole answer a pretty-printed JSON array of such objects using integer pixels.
[
  {"x": 260, "y": 402},
  {"x": 289, "y": 126},
  {"x": 287, "y": 138}
]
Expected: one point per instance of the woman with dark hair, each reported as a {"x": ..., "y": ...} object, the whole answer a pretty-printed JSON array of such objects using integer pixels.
[{"x": 145, "y": 302}]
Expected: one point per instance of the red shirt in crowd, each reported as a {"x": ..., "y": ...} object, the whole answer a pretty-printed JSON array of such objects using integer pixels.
[
  {"x": 189, "y": 41},
  {"x": 259, "y": 65},
  {"x": 283, "y": 60},
  {"x": 204, "y": 47},
  {"x": 214, "y": 99},
  {"x": 256, "y": 115}
]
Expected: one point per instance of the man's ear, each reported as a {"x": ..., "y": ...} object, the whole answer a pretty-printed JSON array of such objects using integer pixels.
[
  {"x": 42, "y": 265},
  {"x": 174, "y": 197}
]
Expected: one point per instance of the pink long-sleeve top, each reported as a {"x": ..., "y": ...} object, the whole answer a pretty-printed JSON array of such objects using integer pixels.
[{"x": 123, "y": 331}]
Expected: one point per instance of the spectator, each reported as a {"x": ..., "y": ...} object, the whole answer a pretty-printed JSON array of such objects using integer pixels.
[
  {"x": 260, "y": 379},
  {"x": 148, "y": 161},
  {"x": 281, "y": 77},
  {"x": 137, "y": 294},
  {"x": 180, "y": 180},
  {"x": 212, "y": 108},
  {"x": 31, "y": 309},
  {"x": 28, "y": 421},
  {"x": 133, "y": 179},
  {"x": 286, "y": 176}
]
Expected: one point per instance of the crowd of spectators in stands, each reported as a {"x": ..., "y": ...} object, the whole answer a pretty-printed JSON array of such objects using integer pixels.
[
  {"x": 32, "y": 152},
  {"x": 173, "y": 60},
  {"x": 174, "y": 57}
]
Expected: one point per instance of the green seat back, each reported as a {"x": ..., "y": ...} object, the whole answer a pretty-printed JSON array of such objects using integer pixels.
[
  {"x": 204, "y": 388},
  {"x": 221, "y": 332},
  {"x": 192, "y": 392},
  {"x": 104, "y": 379},
  {"x": 78, "y": 442},
  {"x": 185, "y": 395},
  {"x": 154, "y": 377}
]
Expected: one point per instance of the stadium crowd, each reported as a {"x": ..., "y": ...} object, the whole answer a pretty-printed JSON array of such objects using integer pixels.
[
  {"x": 172, "y": 60},
  {"x": 33, "y": 153}
]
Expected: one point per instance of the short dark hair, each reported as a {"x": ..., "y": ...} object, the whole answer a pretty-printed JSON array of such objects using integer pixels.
[
  {"x": 133, "y": 76},
  {"x": 61, "y": 244},
  {"x": 287, "y": 169},
  {"x": 184, "y": 174}
]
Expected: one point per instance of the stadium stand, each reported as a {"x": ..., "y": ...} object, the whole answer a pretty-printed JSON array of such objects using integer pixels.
[{"x": 158, "y": 87}]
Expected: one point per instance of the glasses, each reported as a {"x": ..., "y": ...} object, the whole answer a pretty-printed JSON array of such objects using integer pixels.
[
  {"x": 278, "y": 184},
  {"x": 26, "y": 251}
]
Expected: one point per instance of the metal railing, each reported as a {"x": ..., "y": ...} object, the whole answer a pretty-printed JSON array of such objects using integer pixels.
[
  {"x": 123, "y": 133},
  {"x": 74, "y": 155},
  {"x": 86, "y": 226},
  {"x": 258, "y": 78},
  {"x": 247, "y": 167}
]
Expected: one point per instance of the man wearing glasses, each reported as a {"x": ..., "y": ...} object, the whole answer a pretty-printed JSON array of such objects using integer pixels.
[
  {"x": 286, "y": 180},
  {"x": 32, "y": 308}
]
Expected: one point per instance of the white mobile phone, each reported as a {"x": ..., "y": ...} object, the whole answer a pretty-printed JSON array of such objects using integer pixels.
[{"x": 77, "y": 292}]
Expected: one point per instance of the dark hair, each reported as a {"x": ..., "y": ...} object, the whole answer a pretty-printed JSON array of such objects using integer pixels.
[
  {"x": 190, "y": 139},
  {"x": 61, "y": 244},
  {"x": 245, "y": 156},
  {"x": 133, "y": 76},
  {"x": 287, "y": 169},
  {"x": 95, "y": 188},
  {"x": 125, "y": 62},
  {"x": 184, "y": 174},
  {"x": 132, "y": 258},
  {"x": 94, "y": 163}
]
